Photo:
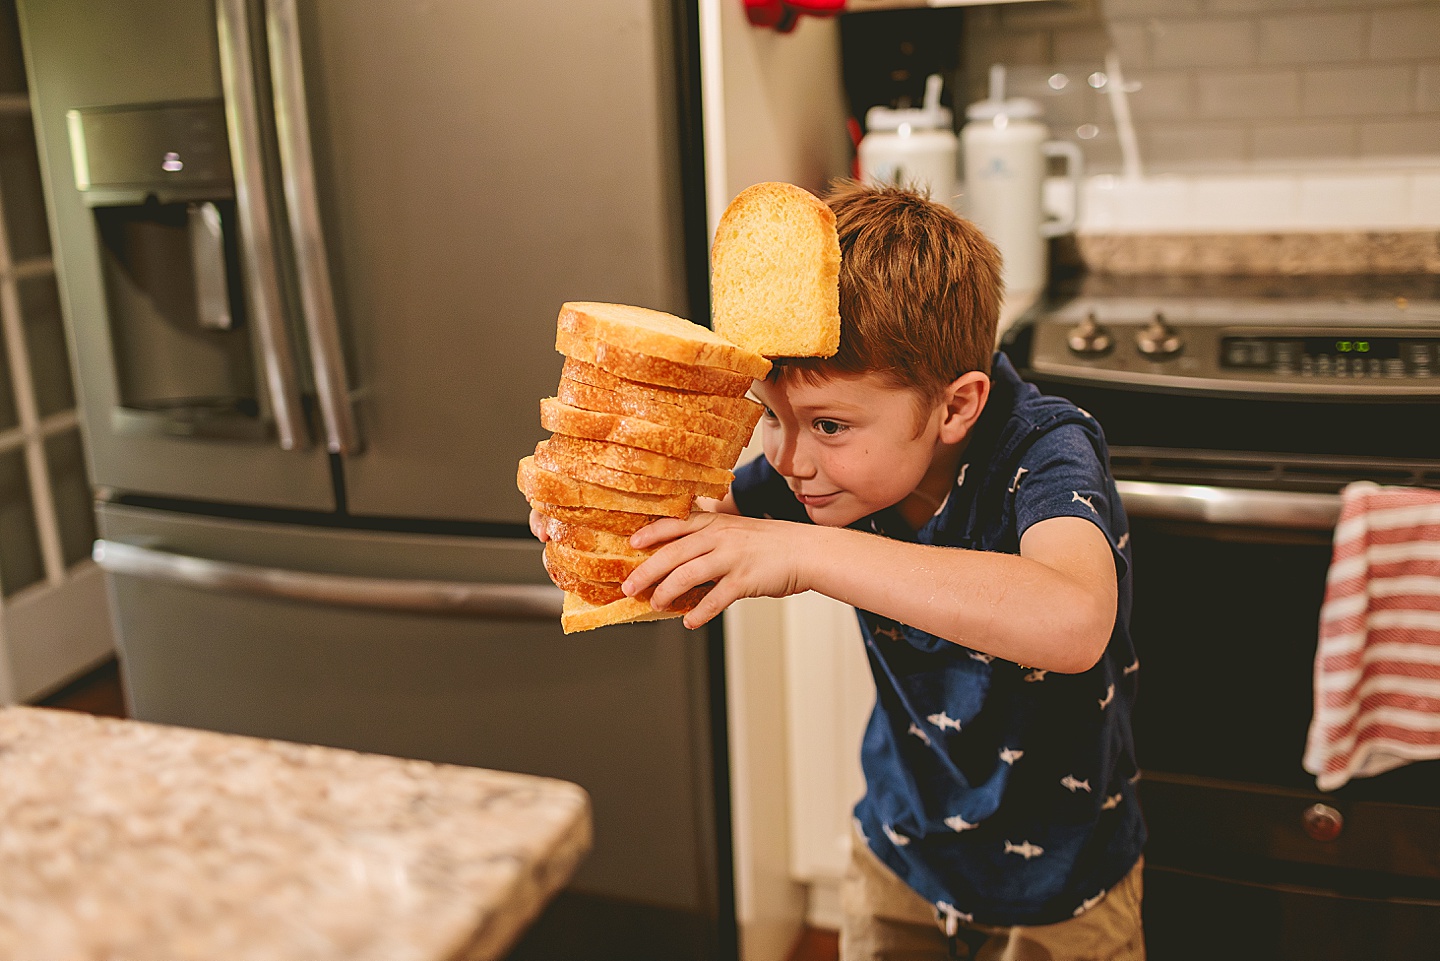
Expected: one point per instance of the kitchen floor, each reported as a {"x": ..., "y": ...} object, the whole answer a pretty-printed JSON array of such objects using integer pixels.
[{"x": 100, "y": 692}]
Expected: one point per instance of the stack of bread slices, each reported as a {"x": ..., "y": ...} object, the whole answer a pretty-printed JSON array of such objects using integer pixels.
[
  {"x": 651, "y": 411},
  {"x": 650, "y": 414}
]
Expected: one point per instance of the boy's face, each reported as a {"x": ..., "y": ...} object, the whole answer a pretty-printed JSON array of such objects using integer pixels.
[{"x": 848, "y": 446}]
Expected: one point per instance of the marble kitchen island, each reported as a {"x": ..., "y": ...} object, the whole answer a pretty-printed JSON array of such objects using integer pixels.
[{"x": 125, "y": 841}]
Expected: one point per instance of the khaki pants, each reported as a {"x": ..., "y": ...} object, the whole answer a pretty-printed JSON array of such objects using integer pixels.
[{"x": 884, "y": 920}]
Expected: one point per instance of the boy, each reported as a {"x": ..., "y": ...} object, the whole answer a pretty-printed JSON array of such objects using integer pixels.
[{"x": 999, "y": 819}]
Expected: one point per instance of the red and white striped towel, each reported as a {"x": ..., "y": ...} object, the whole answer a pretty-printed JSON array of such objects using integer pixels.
[{"x": 1377, "y": 665}]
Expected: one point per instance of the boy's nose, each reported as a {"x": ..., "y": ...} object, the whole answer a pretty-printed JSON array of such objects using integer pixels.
[{"x": 792, "y": 459}]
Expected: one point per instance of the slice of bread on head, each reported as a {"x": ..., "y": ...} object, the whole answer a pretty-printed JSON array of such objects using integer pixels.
[
  {"x": 538, "y": 484},
  {"x": 590, "y": 397},
  {"x": 579, "y": 614},
  {"x": 636, "y": 460},
  {"x": 742, "y": 410},
  {"x": 633, "y": 365},
  {"x": 634, "y": 432},
  {"x": 774, "y": 273},
  {"x": 561, "y": 462},
  {"x": 658, "y": 334},
  {"x": 623, "y": 523}
]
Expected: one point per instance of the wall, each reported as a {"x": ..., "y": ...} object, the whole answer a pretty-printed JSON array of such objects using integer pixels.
[
  {"x": 1232, "y": 84},
  {"x": 1248, "y": 114}
]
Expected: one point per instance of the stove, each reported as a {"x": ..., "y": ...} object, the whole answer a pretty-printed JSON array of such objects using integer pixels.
[{"x": 1236, "y": 410}]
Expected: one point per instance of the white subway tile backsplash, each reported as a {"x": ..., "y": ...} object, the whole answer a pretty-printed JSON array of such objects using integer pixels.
[
  {"x": 1331, "y": 202},
  {"x": 1284, "y": 140},
  {"x": 1248, "y": 93},
  {"x": 1402, "y": 199},
  {"x": 1357, "y": 91},
  {"x": 1191, "y": 146},
  {"x": 1313, "y": 38},
  {"x": 1400, "y": 138},
  {"x": 1228, "y": 87},
  {"x": 1425, "y": 199},
  {"x": 1203, "y": 43},
  {"x": 1427, "y": 88},
  {"x": 1412, "y": 31},
  {"x": 1242, "y": 203}
]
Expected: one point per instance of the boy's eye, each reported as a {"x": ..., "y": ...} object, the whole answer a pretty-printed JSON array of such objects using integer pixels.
[
  {"x": 769, "y": 414},
  {"x": 829, "y": 427}
]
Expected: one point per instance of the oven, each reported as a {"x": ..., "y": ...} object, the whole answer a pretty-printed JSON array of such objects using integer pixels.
[{"x": 1236, "y": 410}]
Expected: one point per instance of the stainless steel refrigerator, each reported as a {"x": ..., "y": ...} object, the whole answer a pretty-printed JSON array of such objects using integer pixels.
[{"x": 311, "y": 255}]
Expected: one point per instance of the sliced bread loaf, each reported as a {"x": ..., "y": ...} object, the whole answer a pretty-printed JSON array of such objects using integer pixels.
[
  {"x": 561, "y": 462},
  {"x": 538, "y": 484},
  {"x": 590, "y": 397},
  {"x": 774, "y": 273},
  {"x": 633, "y": 432},
  {"x": 742, "y": 410},
  {"x": 583, "y": 538},
  {"x": 634, "y": 460},
  {"x": 592, "y": 565},
  {"x": 633, "y": 365},
  {"x": 658, "y": 334},
  {"x": 623, "y": 523}
]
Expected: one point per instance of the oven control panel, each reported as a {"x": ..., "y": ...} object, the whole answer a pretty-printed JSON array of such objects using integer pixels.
[
  {"x": 1234, "y": 350},
  {"x": 1353, "y": 354}
]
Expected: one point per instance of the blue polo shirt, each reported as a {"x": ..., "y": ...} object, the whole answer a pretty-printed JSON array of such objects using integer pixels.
[{"x": 1003, "y": 794}]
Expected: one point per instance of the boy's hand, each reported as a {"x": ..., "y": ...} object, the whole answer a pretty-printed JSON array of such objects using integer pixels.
[
  {"x": 537, "y": 525},
  {"x": 744, "y": 556}
]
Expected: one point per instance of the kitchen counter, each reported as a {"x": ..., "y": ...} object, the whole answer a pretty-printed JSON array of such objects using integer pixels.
[{"x": 124, "y": 841}]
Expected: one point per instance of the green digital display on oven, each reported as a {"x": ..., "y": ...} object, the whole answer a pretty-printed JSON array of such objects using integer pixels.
[{"x": 1352, "y": 346}]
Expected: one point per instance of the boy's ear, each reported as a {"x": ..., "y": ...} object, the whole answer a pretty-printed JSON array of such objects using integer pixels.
[{"x": 964, "y": 399}]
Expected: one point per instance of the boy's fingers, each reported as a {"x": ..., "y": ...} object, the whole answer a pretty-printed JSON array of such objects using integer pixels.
[{"x": 657, "y": 532}]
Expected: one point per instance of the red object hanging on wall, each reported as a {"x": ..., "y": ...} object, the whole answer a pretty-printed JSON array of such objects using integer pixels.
[{"x": 782, "y": 15}]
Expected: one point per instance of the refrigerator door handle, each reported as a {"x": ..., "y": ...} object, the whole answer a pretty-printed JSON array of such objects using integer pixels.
[
  {"x": 257, "y": 236},
  {"x": 292, "y": 123},
  {"x": 523, "y": 602}
]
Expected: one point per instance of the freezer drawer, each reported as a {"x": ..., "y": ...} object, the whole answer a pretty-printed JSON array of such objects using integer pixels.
[{"x": 623, "y": 712}]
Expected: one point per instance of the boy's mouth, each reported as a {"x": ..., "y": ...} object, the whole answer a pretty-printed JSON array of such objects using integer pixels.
[{"x": 816, "y": 500}]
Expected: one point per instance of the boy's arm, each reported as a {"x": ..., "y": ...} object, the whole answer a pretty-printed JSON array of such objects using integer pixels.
[{"x": 1051, "y": 607}]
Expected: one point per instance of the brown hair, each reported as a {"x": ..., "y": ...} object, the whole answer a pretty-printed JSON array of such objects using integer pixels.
[{"x": 919, "y": 290}]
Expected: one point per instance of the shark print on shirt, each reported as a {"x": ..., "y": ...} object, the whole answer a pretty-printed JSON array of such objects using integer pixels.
[
  {"x": 1025, "y": 849},
  {"x": 915, "y": 730},
  {"x": 1109, "y": 696},
  {"x": 950, "y": 918},
  {"x": 1075, "y": 496},
  {"x": 1009, "y": 755},
  {"x": 943, "y": 721},
  {"x": 1089, "y": 903},
  {"x": 1016, "y": 482},
  {"x": 957, "y": 824},
  {"x": 1071, "y": 783}
]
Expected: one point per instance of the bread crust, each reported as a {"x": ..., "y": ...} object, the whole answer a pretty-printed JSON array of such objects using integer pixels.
[
  {"x": 674, "y": 442},
  {"x": 561, "y": 462},
  {"x": 658, "y": 334},
  {"x": 623, "y": 523},
  {"x": 583, "y": 538},
  {"x": 591, "y": 565},
  {"x": 590, "y": 397},
  {"x": 742, "y": 410},
  {"x": 636, "y": 460},
  {"x": 536, "y": 483},
  {"x": 633, "y": 365}
]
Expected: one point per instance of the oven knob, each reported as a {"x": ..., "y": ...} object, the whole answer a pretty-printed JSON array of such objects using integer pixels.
[
  {"x": 1090, "y": 338},
  {"x": 1322, "y": 822},
  {"x": 1158, "y": 340}
]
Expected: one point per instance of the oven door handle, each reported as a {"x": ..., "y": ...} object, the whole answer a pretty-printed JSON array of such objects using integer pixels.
[{"x": 1287, "y": 510}]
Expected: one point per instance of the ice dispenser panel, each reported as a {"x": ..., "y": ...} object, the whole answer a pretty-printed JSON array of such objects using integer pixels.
[{"x": 157, "y": 179}]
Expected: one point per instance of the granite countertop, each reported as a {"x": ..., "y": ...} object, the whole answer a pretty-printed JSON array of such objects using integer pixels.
[{"x": 123, "y": 841}]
